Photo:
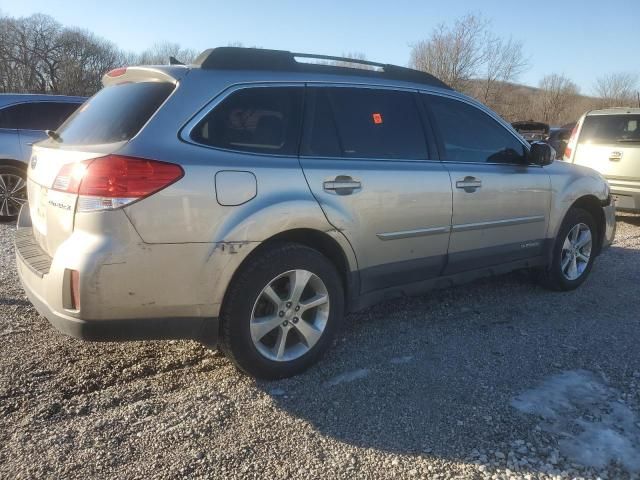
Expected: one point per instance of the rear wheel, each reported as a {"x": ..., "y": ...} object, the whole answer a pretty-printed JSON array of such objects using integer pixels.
[
  {"x": 573, "y": 252},
  {"x": 281, "y": 311},
  {"x": 13, "y": 191}
]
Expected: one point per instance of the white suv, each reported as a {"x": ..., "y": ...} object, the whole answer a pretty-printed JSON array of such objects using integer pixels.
[{"x": 609, "y": 141}]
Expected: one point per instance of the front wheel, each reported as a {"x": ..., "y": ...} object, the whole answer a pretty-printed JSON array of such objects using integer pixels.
[
  {"x": 573, "y": 252},
  {"x": 281, "y": 311}
]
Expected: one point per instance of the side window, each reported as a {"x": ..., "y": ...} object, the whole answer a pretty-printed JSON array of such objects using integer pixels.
[
  {"x": 9, "y": 116},
  {"x": 470, "y": 135},
  {"x": 37, "y": 115},
  {"x": 259, "y": 120},
  {"x": 362, "y": 123}
]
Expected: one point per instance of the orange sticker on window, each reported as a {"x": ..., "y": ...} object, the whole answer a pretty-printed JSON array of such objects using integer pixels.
[{"x": 377, "y": 118}]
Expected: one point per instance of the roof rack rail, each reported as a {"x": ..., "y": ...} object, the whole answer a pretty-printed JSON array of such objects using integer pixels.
[{"x": 239, "y": 58}]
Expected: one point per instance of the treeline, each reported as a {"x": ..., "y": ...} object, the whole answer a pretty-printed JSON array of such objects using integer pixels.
[
  {"x": 472, "y": 59},
  {"x": 40, "y": 55}
]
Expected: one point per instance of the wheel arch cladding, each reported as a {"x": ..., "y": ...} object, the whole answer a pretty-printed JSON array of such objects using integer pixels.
[
  {"x": 320, "y": 241},
  {"x": 14, "y": 163}
]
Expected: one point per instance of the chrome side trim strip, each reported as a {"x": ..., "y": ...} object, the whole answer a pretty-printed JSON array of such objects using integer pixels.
[
  {"x": 498, "y": 223},
  {"x": 422, "y": 232}
]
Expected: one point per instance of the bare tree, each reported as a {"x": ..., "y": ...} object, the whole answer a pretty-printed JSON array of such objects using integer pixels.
[
  {"x": 617, "y": 89},
  {"x": 557, "y": 94},
  {"x": 354, "y": 56},
  {"x": 159, "y": 54},
  {"x": 453, "y": 54},
  {"x": 38, "y": 54},
  {"x": 504, "y": 63},
  {"x": 85, "y": 59}
]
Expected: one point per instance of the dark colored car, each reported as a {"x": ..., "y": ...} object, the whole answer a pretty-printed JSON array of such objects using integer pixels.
[
  {"x": 24, "y": 118},
  {"x": 532, "y": 131},
  {"x": 559, "y": 138}
]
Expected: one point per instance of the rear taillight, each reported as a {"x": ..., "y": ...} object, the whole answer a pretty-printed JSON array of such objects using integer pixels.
[
  {"x": 114, "y": 181},
  {"x": 567, "y": 152},
  {"x": 571, "y": 144}
]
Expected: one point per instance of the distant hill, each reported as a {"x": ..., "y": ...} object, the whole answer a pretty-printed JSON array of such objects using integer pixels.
[{"x": 515, "y": 102}]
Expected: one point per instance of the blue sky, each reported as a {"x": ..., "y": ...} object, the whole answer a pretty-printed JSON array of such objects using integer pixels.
[{"x": 581, "y": 39}]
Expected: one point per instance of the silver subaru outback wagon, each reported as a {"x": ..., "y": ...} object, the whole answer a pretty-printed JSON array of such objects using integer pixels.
[{"x": 253, "y": 198}]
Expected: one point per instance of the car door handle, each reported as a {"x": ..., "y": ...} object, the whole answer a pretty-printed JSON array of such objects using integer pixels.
[
  {"x": 342, "y": 185},
  {"x": 469, "y": 184},
  {"x": 615, "y": 156}
]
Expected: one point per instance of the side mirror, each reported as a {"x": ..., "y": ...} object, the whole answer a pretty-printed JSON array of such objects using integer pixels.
[{"x": 541, "y": 154}]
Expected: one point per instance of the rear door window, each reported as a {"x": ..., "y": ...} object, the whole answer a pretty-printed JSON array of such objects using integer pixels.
[
  {"x": 469, "y": 135},
  {"x": 603, "y": 129},
  {"x": 363, "y": 123},
  {"x": 256, "y": 120},
  {"x": 36, "y": 115},
  {"x": 116, "y": 113}
]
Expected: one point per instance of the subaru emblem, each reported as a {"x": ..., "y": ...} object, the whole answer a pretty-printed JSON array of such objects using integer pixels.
[{"x": 34, "y": 161}]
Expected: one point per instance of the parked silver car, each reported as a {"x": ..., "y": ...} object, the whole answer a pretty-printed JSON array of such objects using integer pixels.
[
  {"x": 250, "y": 200},
  {"x": 23, "y": 121}
]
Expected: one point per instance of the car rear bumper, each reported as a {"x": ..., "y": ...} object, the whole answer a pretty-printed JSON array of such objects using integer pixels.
[
  {"x": 109, "y": 287},
  {"x": 627, "y": 194}
]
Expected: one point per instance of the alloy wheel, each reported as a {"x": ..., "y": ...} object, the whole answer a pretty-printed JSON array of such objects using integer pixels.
[
  {"x": 13, "y": 194},
  {"x": 576, "y": 251},
  {"x": 290, "y": 315}
]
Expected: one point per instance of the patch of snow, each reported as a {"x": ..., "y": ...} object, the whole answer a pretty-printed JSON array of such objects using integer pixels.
[
  {"x": 348, "y": 377},
  {"x": 593, "y": 425},
  {"x": 277, "y": 392}
]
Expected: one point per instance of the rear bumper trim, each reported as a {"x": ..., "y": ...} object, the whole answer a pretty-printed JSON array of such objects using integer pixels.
[
  {"x": 34, "y": 271},
  {"x": 27, "y": 247},
  {"x": 202, "y": 329}
]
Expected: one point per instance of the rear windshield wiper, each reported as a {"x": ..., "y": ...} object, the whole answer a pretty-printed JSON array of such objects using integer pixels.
[{"x": 53, "y": 135}]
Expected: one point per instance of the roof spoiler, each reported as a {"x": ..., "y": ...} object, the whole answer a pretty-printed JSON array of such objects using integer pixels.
[{"x": 238, "y": 58}]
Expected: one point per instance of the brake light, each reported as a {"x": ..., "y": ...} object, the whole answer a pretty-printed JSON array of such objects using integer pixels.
[
  {"x": 114, "y": 181},
  {"x": 567, "y": 152},
  {"x": 117, "y": 72},
  {"x": 571, "y": 144}
]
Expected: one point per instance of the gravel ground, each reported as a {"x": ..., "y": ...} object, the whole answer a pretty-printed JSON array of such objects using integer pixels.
[{"x": 496, "y": 379}]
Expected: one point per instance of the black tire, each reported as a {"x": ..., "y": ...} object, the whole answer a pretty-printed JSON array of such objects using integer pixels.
[
  {"x": 253, "y": 277},
  {"x": 552, "y": 276},
  {"x": 10, "y": 170}
]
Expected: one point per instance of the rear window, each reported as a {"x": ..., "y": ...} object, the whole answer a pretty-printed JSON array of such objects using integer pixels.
[
  {"x": 610, "y": 129},
  {"x": 257, "y": 120},
  {"x": 116, "y": 113}
]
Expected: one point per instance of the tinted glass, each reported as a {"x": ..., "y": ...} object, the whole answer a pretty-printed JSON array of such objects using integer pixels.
[
  {"x": 36, "y": 115},
  {"x": 116, "y": 113},
  {"x": 259, "y": 120},
  {"x": 611, "y": 129},
  {"x": 363, "y": 123},
  {"x": 470, "y": 135}
]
